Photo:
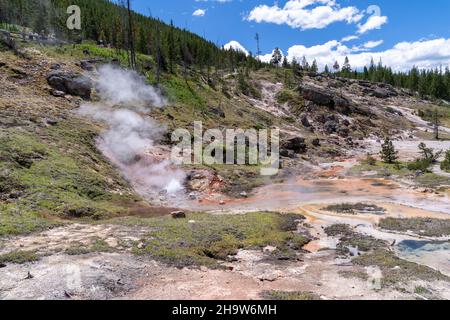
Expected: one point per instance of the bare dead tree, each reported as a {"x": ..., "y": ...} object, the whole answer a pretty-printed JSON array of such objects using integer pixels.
[
  {"x": 436, "y": 124},
  {"x": 131, "y": 36}
]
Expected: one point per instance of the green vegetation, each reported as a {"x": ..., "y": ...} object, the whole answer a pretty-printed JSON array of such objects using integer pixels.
[
  {"x": 351, "y": 239},
  {"x": 421, "y": 290},
  {"x": 421, "y": 226},
  {"x": 445, "y": 165},
  {"x": 19, "y": 257},
  {"x": 395, "y": 270},
  {"x": 292, "y": 98},
  {"x": 388, "y": 152},
  {"x": 376, "y": 253},
  {"x": 16, "y": 221},
  {"x": 105, "y": 21},
  {"x": 97, "y": 245},
  {"x": 54, "y": 181},
  {"x": 355, "y": 208},
  {"x": 204, "y": 239},
  {"x": 290, "y": 296}
]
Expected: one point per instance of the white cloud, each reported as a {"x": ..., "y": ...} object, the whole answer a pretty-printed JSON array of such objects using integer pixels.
[
  {"x": 305, "y": 14},
  {"x": 372, "y": 44},
  {"x": 403, "y": 56},
  {"x": 349, "y": 38},
  {"x": 267, "y": 57},
  {"x": 199, "y": 13},
  {"x": 374, "y": 22},
  {"x": 236, "y": 46}
]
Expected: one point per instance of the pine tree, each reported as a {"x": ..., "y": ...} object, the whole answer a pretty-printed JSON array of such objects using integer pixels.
[
  {"x": 285, "y": 63},
  {"x": 314, "y": 67},
  {"x": 388, "y": 153},
  {"x": 346, "y": 68},
  {"x": 327, "y": 69},
  {"x": 305, "y": 64},
  {"x": 276, "y": 57},
  {"x": 414, "y": 79},
  {"x": 336, "y": 67}
]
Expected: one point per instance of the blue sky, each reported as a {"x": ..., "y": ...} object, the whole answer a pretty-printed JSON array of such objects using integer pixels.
[{"x": 318, "y": 28}]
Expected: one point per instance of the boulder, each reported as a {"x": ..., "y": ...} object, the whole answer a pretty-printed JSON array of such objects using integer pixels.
[
  {"x": 87, "y": 65},
  {"x": 381, "y": 92},
  {"x": 287, "y": 153},
  {"x": 219, "y": 112},
  {"x": 304, "y": 120},
  {"x": 70, "y": 83},
  {"x": 331, "y": 126},
  {"x": 178, "y": 215},
  {"x": 322, "y": 98},
  {"x": 317, "y": 96},
  {"x": 296, "y": 144},
  {"x": 343, "y": 132},
  {"x": 316, "y": 142}
]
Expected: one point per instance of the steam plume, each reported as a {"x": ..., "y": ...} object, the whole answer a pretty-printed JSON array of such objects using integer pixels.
[{"x": 131, "y": 135}]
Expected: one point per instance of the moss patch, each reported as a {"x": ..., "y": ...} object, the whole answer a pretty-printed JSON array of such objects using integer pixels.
[
  {"x": 350, "y": 239},
  {"x": 396, "y": 270},
  {"x": 97, "y": 245},
  {"x": 355, "y": 208},
  {"x": 421, "y": 226},
  {"x": 290, "y": 296},
  {"x": 205, "y": 239},
  {"x": 19, "y": 257}
]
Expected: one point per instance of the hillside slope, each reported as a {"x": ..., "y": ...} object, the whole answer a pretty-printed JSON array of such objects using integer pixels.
[{"x": 66, "y": 208}]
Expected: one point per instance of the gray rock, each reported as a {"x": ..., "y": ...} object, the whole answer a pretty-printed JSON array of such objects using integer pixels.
[
  {"x": 343, "y": 132},
  {"x": 331, "y": 126},
  {"x": 296, "y": 144},
  {"x": 287, "y": 153},
  {"x": 178, "y": 215},
  {"x": 304, "y": 120},
  {"x": 316, "y": 142},
  {"x": 317, "y": 96},
  {"x": 86, "y": 65},
  {"x": 70, "y": 83},
  {"x": 219, "y": 112},
  {"x": 58, "y": 94}
]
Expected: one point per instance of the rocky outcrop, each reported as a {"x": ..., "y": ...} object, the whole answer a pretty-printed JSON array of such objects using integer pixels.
[
  {"x": 317, "y": 96},
  {"x": 323, "y": 98},
  {"x": 304, "y": 120},
  {"x": 331, "y": 126},
  {"x": 70, "y": 83},
  {"x": 383, "y": 92},
  {"x": 296, "y": 145}
]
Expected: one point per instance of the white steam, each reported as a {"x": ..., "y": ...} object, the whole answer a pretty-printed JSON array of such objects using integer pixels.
[
  {"x": 126, "y": 87},
  {"x": 130, "y": 139}
]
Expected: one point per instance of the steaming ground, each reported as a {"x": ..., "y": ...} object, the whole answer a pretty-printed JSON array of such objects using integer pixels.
[
  {"x": 129, "y": 142},
  {"x": 88, "y": 259}
]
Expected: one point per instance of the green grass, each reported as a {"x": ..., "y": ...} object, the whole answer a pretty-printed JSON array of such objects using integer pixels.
[
  {"x": 396, "y": 270},
  {"x": 382, "y": 169},
  {"x": 292, "y": 98},
  {"x": 290, "y": 296},
  {"x": 355, "y": 208},
  {"x": 97, "y": 245},
  {"x": 19, "y": 257},
  {"x": 432, "y": 180},
  {"x": 421, "y": 226},
  {"x": 215, "y": 237},
  {"x": 403, "y": 170},
  {"x": 16, "y": 221},
  {"x": 349, "y": 238},
  {"x": 76, "y": 52}
]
